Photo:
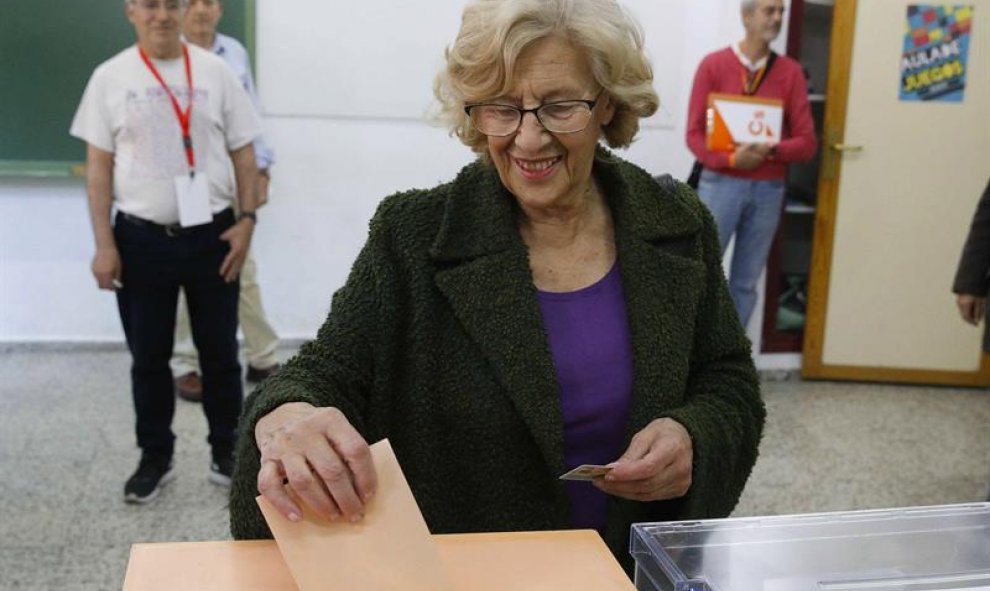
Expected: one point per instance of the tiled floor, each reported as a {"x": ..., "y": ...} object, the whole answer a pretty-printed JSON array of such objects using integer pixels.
[{"x": 67, "y": 445}]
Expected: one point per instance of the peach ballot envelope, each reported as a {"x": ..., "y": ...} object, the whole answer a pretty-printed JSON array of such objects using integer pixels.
[
  {"x": 390, "y": 549},
  {"x": 734, "y": 119}
]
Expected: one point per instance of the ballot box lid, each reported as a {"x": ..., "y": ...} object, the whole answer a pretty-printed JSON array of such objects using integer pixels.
[{"x": 943, "y": 547}]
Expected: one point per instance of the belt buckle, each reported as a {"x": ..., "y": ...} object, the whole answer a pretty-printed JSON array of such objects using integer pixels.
[{"x": 173, "y": 230}]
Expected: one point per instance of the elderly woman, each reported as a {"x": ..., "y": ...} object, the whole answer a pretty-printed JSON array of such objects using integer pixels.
[{"x": 551, "y": 306}]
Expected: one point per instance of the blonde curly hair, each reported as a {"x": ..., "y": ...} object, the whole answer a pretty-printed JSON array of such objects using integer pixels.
[{"x": 480, "y": 64}]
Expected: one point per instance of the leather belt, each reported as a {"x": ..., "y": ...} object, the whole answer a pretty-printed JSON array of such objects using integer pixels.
[{"x": 173, "y": 230}]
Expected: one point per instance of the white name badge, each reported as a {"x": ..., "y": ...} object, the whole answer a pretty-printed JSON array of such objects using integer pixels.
[{"x": 193, "y": 195}]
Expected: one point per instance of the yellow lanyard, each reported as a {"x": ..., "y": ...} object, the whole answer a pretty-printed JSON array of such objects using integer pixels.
[{"x": 751, "y": 80}]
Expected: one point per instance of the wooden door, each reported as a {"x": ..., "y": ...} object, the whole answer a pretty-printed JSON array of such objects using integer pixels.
[{"x": 898, "y": 187}]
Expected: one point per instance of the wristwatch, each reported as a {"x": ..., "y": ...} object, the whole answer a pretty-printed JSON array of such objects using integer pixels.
[{"x": 253, "y": 216}]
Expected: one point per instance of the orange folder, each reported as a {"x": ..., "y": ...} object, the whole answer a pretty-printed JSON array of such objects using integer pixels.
[{"x": 734, "y": 119}]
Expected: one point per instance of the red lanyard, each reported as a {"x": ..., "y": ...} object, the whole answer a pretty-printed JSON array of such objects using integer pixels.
[{"x": 185, "y": 118}]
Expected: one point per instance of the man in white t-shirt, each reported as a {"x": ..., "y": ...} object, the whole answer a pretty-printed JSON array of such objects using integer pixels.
[{"x": 168, "y": 130}]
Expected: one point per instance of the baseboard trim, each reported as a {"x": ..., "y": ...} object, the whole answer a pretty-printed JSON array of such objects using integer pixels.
[
  {"x": 102, "y": 346},
  {"x": 779, "y": 375}
]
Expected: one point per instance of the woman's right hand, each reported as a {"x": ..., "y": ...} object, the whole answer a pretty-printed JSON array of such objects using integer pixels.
[{"x": 317, "y": 455}]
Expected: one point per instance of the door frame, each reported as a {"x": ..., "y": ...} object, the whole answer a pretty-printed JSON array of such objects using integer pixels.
[
  {"x": 836, "y": 103},
  {"x": 772, "y": 340}
]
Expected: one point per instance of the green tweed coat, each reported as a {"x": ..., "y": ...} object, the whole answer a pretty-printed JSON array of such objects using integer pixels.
[{"x": 436, "y": 343}]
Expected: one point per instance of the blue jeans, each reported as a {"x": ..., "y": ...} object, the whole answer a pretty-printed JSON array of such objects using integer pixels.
[
  {"x": 751, "y": 211},
  {"x": 155, "y": 266}
]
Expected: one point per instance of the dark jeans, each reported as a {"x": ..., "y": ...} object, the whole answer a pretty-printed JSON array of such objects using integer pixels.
[{"x": 155, "y": 266}]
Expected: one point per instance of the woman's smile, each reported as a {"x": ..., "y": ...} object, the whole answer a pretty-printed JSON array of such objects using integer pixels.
[{"x": 536, "y": 169}]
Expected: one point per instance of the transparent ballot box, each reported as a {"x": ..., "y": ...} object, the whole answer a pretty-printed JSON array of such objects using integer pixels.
[{"x": 913, "y": 549}]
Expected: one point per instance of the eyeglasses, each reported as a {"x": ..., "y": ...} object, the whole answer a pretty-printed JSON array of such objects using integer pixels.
[
  {"x": 497, "y": 120},
  {"x": 152, "y": 5}
]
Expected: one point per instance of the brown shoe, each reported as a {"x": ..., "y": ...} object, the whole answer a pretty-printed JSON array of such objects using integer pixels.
[
  {"x": 189, "y": 387},
  {"x": 255, "y": 375}
]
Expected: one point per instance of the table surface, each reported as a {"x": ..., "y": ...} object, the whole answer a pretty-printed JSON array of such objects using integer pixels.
[{"x": 523, "y": 561}]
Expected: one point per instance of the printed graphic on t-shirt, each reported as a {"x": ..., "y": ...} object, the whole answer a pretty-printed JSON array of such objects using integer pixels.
[{"x": 158, "y": 150}]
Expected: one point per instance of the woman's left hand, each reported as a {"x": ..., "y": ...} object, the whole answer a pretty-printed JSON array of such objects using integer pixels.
[{"x": 656, "y": 466}]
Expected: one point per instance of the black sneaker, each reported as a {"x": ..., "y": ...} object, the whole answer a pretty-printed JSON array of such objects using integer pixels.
[
  {"x": 221, "y": 470},
  {"x": 152, "y": 473}
]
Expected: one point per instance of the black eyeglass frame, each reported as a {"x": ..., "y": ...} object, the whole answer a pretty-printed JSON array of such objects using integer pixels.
[{"x": 591, "y": 104}]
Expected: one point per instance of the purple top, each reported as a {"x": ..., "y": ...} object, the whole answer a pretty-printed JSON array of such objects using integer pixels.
[{"x": 592, "y": 352}]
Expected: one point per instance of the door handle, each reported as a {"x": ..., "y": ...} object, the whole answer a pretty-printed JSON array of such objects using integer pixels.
[
  {"x": 831, "y": 158},
  {"x": 847, "y": 148}
]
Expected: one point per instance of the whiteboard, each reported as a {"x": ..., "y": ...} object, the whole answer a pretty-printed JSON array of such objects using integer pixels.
[{"x": 377, "y": 59}]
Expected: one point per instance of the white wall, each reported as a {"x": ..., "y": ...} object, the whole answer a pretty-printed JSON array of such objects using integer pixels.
[{"x": 345, "y": 108}]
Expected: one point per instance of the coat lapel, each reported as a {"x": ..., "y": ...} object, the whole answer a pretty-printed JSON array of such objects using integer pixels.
[
  {"x": 483, "y": 271},
  {"x": 657, "y": 240},
  {"x": 661, "y": 291}
]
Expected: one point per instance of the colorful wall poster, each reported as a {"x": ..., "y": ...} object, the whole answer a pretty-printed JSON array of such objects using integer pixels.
[{"x": 936, "y": 52}]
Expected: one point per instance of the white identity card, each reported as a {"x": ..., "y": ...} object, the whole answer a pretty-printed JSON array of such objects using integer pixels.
[
  {"x": 193, "y": 195},
  {"x": 586, "y": 472}
]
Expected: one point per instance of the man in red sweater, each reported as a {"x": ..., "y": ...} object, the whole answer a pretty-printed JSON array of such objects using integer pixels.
[{"x": 744, "y": 189}]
